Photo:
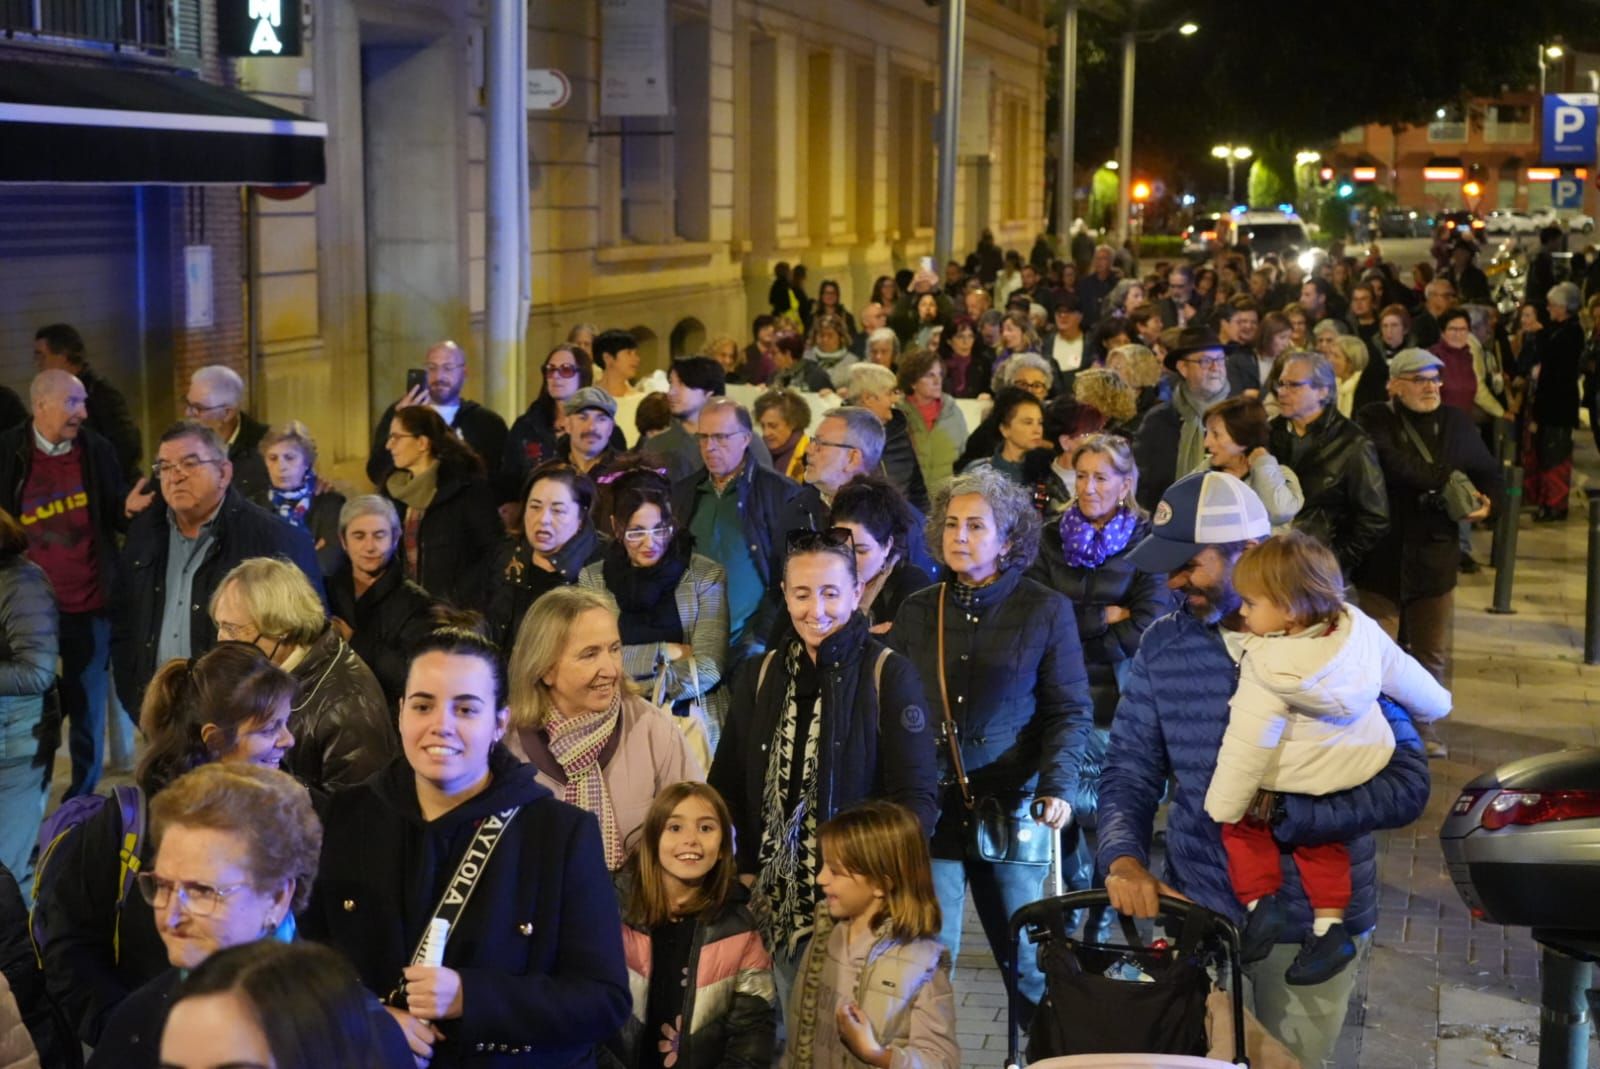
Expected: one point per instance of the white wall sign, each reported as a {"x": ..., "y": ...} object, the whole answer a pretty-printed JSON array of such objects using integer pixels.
[
  {"x": 976, "y": 86},
  {"x": 548, "y": 89},
  {"x": 198, "y": 310},
  {"x": 633, "y": 57}
]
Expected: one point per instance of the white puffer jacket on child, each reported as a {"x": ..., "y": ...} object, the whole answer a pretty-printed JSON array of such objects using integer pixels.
[{"x": 1305, "y": 717}]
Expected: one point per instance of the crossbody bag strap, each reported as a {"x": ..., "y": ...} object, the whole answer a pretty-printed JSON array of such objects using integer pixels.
[
  {"x": 952, "y": 738},
  {"x": 468, "y": 871},
  {"x": 1416, "y": 439}
]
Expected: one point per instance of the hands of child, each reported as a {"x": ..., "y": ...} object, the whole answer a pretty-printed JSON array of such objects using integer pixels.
[
  {"x": 420, "y": 1035},
  {"x": 433, "y": 993},
  {"x": 1115, "y": 614},
  {"x": 855, "y": 1031}
]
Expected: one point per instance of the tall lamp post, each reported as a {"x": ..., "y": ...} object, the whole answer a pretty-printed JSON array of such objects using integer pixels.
[
  {"x": 1130, "y": 40},
  {"x": 1068, "y": 115},
  {"x": 1232, "y": 154},
  {"x": 1547, "y": 52}
]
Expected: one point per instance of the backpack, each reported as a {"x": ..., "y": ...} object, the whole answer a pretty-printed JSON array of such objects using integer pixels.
[{"x": 72, "y": 813}]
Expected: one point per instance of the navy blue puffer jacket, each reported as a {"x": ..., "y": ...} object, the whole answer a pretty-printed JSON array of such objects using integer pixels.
[{"x": 1170, "y": 721}]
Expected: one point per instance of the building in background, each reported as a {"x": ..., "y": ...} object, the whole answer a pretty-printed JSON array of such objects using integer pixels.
[{"x": 778, "y": 136}]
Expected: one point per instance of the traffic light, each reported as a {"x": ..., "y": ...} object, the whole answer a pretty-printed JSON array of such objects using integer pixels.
[
  {"x": 1471, "y": 189},
  {"x": 1141, "y": 191},
  {"x": 1345, "y": 189},
  {"x": 1326, "y": 174}
]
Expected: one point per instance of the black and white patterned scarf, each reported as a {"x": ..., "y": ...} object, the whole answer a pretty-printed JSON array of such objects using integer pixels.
[{"x": 789, "y": 855}]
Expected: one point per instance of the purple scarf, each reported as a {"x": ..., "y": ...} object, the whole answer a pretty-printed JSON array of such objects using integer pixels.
[{"x": 1087, "y": 546}]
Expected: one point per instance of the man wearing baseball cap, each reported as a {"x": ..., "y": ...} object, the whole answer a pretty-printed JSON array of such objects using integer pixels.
[
  {"x": 1169, "y": 725},
  {"x": 1408, "y": 579},
  {"x": 1170, "y": 441}
]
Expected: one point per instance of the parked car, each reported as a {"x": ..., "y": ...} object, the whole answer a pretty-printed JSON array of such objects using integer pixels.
[
  {"x": 1520, "y": 842},
  {"x": 1573, "y": 221},
  {"x": 1404, "y": 223},
  {"x": 1504, "y": 221}
]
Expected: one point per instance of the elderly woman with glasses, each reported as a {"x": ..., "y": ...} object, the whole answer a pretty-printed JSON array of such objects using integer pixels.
[
  {"x": 1028, "y": 372},
  {"x": 1346, "y": 505},
  {"x": 828, "y": 717},
  {"x": 236, "y": 849},
  {"x": 672, "y": 602},
  {"x": 1002, "y": 666},
  {"x": 298, "y": 496},
  {"x": 99, "y": 941}
]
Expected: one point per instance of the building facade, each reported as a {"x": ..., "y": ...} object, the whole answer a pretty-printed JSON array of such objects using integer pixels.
[{"x": 787, "y": 136}]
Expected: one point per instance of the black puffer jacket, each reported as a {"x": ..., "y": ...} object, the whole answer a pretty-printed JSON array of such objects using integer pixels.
[
  {"x": 1419, "y": 555},
  {"x": 1347, "y": 508},
  {"x": 1018, "y": 691},
  {"x": 538, "y": 946},
  {"x": 1558, "y": 353},
  {"x": 242, "y": 531},
  {"x": 875, "y": 743},
  {"x": 899, "y": 462},
  {"x": 342, "y": 725},
  {"x": 385, "y": 622},
  {"x": 1092, "y": 591},
  {"x": 515, "y": 582}
]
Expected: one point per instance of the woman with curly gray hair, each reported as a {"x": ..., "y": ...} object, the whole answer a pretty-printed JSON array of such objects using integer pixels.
[{"x": 1003, "y": 670}]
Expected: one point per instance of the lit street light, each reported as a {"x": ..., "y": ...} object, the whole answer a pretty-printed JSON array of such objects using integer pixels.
[
  {"x": 1232, "y": 154},
  {"x": 1550, "y": 52},
  {"x": 1130, "y": 41}
]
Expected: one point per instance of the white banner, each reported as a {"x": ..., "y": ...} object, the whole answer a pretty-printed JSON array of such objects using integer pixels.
[{"x": 633, "y": 58}]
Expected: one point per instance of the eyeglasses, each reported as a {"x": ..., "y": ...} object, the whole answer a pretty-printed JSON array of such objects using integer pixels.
[
  {"x": 196, "y": 899},
  {"x": 805, "y": 540},
  {"x": 186, "y": 466},
  {"x": 1294, "y": 384},
  {"x": 1207, "y": 362},
  {"x": 396, "y": 435},
  {"x": 823, "y": 441},
  {"x": 635, "y": 536},
  {"x": 719, "y": 439},
  {"x": 1038, "y": 388},
  {"x": 561, "y": 371},
  {"x": 440, "y": 369},
  {"x": 1422, "y": 380},
  {"x": 190, "y": 408}
]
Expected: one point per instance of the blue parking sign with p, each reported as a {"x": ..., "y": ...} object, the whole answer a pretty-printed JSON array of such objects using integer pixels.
[
  {"x": 1566, "y": 193},
  {"x": 1571, "y": 123}
]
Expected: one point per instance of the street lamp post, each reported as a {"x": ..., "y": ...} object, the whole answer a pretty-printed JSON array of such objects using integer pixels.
[
  {"x": 1547, "y": 52},
  {"x": 952, "y": 47},
  {"x": 1130, "y": 40},
  {"x": 1231, "y": 154},
  {"x": 1069, "y": 116}
]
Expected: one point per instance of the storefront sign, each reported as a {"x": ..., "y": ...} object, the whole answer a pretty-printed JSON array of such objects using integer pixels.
[{"x": 633, "y": 58}]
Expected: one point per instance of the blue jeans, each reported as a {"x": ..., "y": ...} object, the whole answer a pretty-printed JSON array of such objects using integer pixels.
[
  {"x": 22, "y": 797},
  {"x": 85, "y": 683},
  {"x": 998, "y": 891}
]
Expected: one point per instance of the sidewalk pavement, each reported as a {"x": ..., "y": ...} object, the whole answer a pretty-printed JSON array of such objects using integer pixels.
[{"x": 1440, "y": 989}]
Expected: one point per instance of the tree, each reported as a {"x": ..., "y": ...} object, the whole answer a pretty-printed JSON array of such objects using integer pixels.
[{"x": 1271, "y": 180}]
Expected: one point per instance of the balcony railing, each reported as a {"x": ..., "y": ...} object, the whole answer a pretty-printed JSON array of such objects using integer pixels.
[
  {"x": 136, "y": 25},
  {"x": 1506, "y": 132},
  {"x": 1447, "y": 130}
]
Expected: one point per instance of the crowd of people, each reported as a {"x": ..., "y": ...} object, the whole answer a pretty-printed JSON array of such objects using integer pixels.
[{"x": 566, "y": 741}]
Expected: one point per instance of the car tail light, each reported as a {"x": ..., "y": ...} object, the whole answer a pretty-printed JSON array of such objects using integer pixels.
[{"x": 1538, "y": 807}]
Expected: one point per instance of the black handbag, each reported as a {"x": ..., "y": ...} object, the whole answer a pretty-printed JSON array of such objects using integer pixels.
[
  {"x": 1459, "y": 494},
  {"x": 996, "y": 831}
]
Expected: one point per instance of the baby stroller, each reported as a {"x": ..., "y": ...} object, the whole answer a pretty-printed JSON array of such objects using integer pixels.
[{"x": 1125, "y": 1005}]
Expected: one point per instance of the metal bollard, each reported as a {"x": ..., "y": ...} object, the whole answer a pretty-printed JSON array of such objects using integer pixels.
[
  {"x": 1506, "y": 569},
  {"x": 1591, "y": 616},
  {"x": 1506, "y": 508},
  {"x": 1563, "y": 1010}
]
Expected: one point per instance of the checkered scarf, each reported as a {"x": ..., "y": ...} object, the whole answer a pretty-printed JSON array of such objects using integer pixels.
[{"x": 575, "y": 743}]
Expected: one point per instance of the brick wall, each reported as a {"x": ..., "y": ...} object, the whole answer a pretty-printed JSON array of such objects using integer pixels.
[{"x": 209, "y": 215}]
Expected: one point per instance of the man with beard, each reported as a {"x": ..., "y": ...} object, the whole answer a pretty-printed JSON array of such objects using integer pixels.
[
  {"x": 480, "y": 427},
  {"x": 1169, "y": 725},
  {"x": 1170, "y": 441}
]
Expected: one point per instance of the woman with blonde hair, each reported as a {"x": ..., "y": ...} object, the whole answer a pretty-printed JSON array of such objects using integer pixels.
[
  {"x": 1104, "y": 391},
  {"x": 580, "y": 721}
]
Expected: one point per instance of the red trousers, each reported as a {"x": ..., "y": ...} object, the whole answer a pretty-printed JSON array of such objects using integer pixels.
[{"x": 1255, "y": 868}]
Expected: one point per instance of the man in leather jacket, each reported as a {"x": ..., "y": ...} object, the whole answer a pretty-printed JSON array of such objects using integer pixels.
[{"x": 1346, "y": 505}]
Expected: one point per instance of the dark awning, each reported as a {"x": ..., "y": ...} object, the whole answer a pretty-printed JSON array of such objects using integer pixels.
[{"x": 62, "y": 123}]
